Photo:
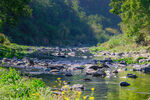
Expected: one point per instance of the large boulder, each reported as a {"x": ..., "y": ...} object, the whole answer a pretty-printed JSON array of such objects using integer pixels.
[{"x": 124, "y": 84}]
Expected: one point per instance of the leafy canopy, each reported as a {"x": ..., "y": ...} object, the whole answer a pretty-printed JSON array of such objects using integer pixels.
[
  {"x": 11, "y": 10},
  {"x": 135, "y": 17}
]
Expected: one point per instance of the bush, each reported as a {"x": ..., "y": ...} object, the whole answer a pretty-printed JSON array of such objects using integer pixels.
[
  {"x": 4, "y": 39},
  {"x": 15, "y": 87}
]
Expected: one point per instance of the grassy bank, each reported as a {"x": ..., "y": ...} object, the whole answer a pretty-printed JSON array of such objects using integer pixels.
[
  {"x": 119, "y": 43},
  {"x": 13, "y": 86},
  {"x": 9, "y": 50}
]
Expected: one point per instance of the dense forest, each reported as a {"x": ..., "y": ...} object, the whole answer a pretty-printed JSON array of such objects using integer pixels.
[{"x": 62, "y": 22}]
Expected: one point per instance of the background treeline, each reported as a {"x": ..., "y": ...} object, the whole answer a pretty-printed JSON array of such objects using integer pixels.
[{"x": 61, "y": 22}]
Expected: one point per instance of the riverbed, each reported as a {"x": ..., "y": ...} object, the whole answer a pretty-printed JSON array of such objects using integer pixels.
[{"x": 106, "y": 88}]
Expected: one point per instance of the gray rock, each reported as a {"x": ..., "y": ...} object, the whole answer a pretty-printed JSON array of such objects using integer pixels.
[
  {"x": 54, "y": 70},
  {"x": 99, "y": 73},
  {"x": 4, "y": 60},
  {"x": 78, "y": 87}
]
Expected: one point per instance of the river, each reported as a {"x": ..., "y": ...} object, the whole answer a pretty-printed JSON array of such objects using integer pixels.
[{"x": 107, "y": 88}]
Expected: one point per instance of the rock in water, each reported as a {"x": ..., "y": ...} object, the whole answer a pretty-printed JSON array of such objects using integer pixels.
[
  {"x": 78, "y": 87},
  {"x": 99, "y": 73},
  {"x": 68, "y": 74},
  {"x": 115, "y": 71},
  {"x": 87, "y": 79},
  {"x": 131, "y": 76},
  {"x": 124, "y": 84},
  {"x": 146, "y": 69}
]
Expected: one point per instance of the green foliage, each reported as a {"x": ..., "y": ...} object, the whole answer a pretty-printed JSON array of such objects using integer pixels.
[
  {"x": 127, "y": 60},
  {"x": 11, "y": 10},
  {"x": 63, "y": 22},
  {"x": 137, "y": 60},
  {"x": 13, "y": 86},
  {"x": 135, "y": 18},
  {"x": 13, "y": 50},
  {"x": 4, "y": 39}
]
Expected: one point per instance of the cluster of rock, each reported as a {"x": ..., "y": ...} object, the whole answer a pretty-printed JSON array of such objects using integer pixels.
[
  {"x": 46, "y": 66},
  {"x": 49, "y": 53},
  {"x": 134, "y": 54},
  {"x": 64, "y": 66}
]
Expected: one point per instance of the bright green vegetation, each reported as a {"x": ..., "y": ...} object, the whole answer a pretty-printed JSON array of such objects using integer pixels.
[
  {"x": 134, "y": 26},
  {"x": 130, "y": 60},
  {"x": 13, "y": 50},
  {"x": 127, "y": 60},
  {"x": 119, "y": 43},
  {"x": 63, "y": 22},
  {"x": 10, "y": 50},
  {"x": 14, "y": 86},
  {"x": 135, "y": 18}
]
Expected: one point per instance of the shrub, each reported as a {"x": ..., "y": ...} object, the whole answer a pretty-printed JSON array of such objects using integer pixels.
[{"x": 4, "y": 39}]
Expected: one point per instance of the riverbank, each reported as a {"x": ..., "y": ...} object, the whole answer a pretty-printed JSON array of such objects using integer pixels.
[
  {"x": 14, "y": 86},
  {"x": 82, "y": 70}
]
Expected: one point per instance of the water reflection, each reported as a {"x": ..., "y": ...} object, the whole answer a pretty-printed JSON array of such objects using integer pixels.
[{"x": 108, "y": 88}]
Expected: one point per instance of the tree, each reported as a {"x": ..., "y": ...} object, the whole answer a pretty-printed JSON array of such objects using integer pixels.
[
  {"x": 11, "y": 10},
  {"x": 135, "y": 17}
]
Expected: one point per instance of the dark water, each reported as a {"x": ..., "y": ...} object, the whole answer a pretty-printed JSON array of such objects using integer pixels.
[{"x": 108, "y": 88}]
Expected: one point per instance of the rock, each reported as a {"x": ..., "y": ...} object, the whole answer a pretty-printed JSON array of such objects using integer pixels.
[
  {"x": 62, "y": 56},
  {"x": 94, "y": 67},
  {"x": 87, "y": 79},
  {"x": 124, "y": 84},
  {"x": 79, "y": 67},
  {"x": 47, "y": 69},
  {"x": 90, "y": 72},
  {"x": 109, "y": 60},
  {"x": 30, "y": 62},
  {"x": 4, "y": 60},
  {"x": 115, "y": 71},
  {"x": 137, "y": 69},
  {"x": 78, "y": 87},
  {"x": 99, "y": 73},
  {"x": 143, "y": 60},
  {"x": 54, "y": 70},
  {"x": 44, "y": 64},
  {"x": 125, "y": 69},
  {"x": 68, "y": 74},
  {"x": 123, "y": 62},
  {"x": 120, "y": 54},
  {"x": 146, "y": 69},
  {"x": 131, "y": 76},
  {"x": 20, "y": 63}
]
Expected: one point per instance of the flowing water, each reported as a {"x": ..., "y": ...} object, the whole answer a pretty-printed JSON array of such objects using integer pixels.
[{"x": 107, "y": 88}]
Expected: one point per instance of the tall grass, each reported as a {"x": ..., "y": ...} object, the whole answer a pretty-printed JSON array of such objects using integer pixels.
[
  {"x": 119, "y": 43},
  {"x": 15, "y": 87}
]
